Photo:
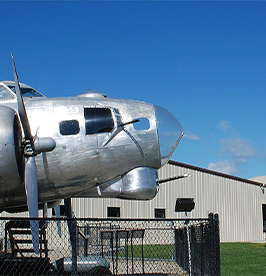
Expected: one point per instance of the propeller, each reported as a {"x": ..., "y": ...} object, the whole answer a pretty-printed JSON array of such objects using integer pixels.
[{"x": 30, "y": 170}]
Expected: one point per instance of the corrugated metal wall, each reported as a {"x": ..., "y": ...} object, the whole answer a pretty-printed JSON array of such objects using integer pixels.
[{"x": 238, "y": 202}]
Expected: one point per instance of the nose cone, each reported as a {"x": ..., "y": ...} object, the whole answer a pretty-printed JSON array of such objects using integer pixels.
[{"x": 170, "y": 132}]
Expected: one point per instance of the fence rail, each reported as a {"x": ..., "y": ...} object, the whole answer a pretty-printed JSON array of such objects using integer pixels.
[{"x": 105, "y": 247}]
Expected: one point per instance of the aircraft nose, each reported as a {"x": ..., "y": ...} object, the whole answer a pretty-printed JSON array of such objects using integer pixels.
[{"x": 170, "y": 131}]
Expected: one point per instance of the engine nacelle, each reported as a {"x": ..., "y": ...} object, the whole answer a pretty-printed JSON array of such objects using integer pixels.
[
  {"x": 12, "y": 160},
  {"x": 138, "y": 184}
]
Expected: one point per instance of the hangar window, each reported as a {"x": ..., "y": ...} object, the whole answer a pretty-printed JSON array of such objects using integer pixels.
[
  {"x": 98, "y": 120},
  {"x": 113, "y": 212},
  {"x": 70, "y": 127},
  {"x": 160, "y": 213},
  {"x": 264, "y": 217}
]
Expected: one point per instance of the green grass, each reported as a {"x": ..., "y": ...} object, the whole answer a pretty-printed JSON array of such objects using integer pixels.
[
  {"x": 241, "y": 259},
  {"x": 237, "y": 259}
]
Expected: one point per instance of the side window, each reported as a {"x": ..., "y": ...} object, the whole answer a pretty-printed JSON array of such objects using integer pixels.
[
  {"x": 70, "y": 127},
  {"x": 143, "y": 124},
  {"x": 98, "y": 120}
]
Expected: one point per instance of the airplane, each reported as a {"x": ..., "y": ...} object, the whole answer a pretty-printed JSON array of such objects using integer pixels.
[{"x": 84, "y": 146}]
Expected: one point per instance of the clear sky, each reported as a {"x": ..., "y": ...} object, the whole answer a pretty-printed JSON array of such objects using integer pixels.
[{"x": 203, "y": 61}]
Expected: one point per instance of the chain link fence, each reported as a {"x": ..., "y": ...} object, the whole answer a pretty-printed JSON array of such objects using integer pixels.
[
  {"x": 106, "y": 247},
  {"x": 197, "y": 246}
]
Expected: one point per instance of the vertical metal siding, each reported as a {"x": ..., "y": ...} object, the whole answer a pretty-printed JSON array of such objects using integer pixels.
[{"x": 239, "y": 204}]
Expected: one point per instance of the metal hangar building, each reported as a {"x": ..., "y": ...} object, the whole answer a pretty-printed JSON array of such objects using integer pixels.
[{"x": 240, "y": 203}]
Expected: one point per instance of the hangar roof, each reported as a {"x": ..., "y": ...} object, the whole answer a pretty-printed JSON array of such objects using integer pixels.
[{"x": 258, "y": 181}]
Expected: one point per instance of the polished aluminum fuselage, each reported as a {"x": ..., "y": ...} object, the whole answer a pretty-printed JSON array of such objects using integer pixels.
[{"x": 80, "y": 162}]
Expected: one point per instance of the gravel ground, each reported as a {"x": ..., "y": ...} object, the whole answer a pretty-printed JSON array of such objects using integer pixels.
[{"x": 151, "y": 267}]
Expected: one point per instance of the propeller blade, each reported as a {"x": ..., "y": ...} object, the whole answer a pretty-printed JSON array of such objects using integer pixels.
[
  {"x": 21, "y": 107},
  {"x": 31, "y": 181},
  {"x": 31, "y": 186},
  {"x": 57, "y": 215}
]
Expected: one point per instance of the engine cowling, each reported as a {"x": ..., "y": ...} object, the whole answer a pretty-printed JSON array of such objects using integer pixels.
[
  {"x": 12, "y": 160},
  {"x": 139, "y": 184}
]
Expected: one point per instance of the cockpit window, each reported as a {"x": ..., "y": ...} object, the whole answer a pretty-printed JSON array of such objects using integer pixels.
[
  {"x": 98, "y": 120},
  {"x": 26, "y": 91},
  {"x": 4, "y": 94},
  {"x": 70, "y": 127}
]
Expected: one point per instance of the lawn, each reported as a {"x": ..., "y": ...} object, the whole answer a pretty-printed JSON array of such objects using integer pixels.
[
  {"x": 237, "y": 259},
  {"x": 241, "y": 259}
]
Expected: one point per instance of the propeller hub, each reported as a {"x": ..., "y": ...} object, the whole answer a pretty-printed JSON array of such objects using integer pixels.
[
  {"x": 44, "y": 144},
  {"x": 29, "y": 148}
]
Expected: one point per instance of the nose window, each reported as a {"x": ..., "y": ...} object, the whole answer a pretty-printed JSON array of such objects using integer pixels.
[{"x": 170, "y": 132}]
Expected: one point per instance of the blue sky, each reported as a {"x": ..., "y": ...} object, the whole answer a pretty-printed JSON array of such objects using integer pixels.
[{"x": 203, "y": 61}]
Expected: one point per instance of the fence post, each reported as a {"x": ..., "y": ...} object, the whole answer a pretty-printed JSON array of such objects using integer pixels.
[
  {"x": 85, "y": 247},
  {"x": 193, "y": 247},
  {"x": 211, "y": 244},
  {"x": 176, "y": 245},
  {"x": 217, "y": 245},
  {"x": 73, "y": 240},
  {"x": 184, "y": 244},
  {"x": 202, "y": 249},
  {"x": 181, "y": 247},
  {"x": 188, "y": 248}
]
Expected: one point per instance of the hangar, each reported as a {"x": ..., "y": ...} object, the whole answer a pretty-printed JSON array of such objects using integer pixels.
[{"x": 240, "y": 203}]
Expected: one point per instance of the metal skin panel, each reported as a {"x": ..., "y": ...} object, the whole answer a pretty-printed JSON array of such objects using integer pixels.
[
  {"x": 9, "y": 174},
  {"x": 80, "y": 162}
]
